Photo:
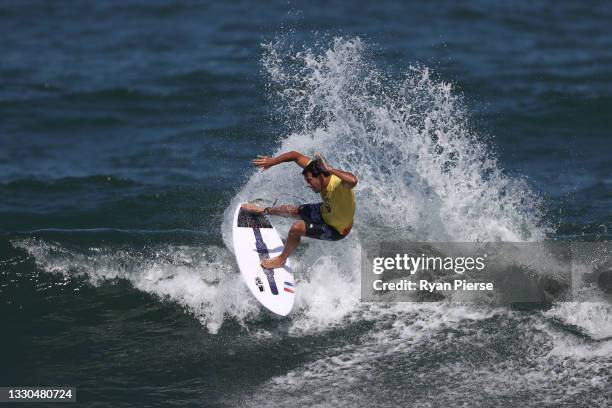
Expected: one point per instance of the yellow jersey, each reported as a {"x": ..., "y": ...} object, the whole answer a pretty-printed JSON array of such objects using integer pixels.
[{"x": 338, "y": 207}]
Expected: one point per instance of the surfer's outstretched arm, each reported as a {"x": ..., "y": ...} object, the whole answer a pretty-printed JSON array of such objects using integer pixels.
[{"x": 266, "y": 162}]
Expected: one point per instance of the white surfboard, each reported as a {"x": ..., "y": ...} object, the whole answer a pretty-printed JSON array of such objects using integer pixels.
[{"x": 256, "y": 239}]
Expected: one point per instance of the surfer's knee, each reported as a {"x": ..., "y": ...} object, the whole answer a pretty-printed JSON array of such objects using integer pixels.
[{"x": 298, "y": 228}]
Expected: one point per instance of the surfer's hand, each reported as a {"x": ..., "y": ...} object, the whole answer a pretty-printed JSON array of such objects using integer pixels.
[
  {"x": 264, "y": 162},
  {"x": 252, "y": 208},
  {"x": 324, "y": 166}
]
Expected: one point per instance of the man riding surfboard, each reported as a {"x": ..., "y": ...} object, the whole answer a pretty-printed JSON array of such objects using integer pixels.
[{"x": 330, "y": 220}]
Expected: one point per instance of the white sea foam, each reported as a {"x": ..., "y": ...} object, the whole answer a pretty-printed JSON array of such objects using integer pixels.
[
  {"x": 593, "y": 319},
  {"x": 350, "y": 374},
  {"x": 424, "y": 173},
  {"x": 484, "y": 356},
  {"x": 203, "y": 280}
]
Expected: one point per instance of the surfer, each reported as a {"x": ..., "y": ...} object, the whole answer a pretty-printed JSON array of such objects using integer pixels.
[{"x": 330, "y": 220}]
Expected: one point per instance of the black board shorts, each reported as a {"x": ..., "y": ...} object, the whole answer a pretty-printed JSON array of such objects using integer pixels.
[{"x": 315, "y": 226}]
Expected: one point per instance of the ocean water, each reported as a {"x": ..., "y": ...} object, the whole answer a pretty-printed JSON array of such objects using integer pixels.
[{"x": 126, "y": 134}]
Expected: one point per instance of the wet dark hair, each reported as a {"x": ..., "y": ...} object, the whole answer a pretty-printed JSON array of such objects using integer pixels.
[{"x": 314, "y": 168}]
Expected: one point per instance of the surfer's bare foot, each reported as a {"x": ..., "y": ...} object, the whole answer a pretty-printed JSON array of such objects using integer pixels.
[
  {"x": 252, "y": 208},
  {"x": 273, "y": 263}
]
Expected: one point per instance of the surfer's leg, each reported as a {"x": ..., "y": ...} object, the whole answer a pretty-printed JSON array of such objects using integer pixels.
[
  {"x": 297, "y": 230},
  {"x": 315, "y": 225},
  {"x": 281, "y": 210},
  {"x": 284, "y": 211}
]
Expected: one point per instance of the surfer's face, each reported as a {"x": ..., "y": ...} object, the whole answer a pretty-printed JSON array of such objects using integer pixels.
[{"x": 313, "y": 182}]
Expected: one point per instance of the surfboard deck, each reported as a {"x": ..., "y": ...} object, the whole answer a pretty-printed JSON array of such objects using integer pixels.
[{"x": 255, "y": 238}]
